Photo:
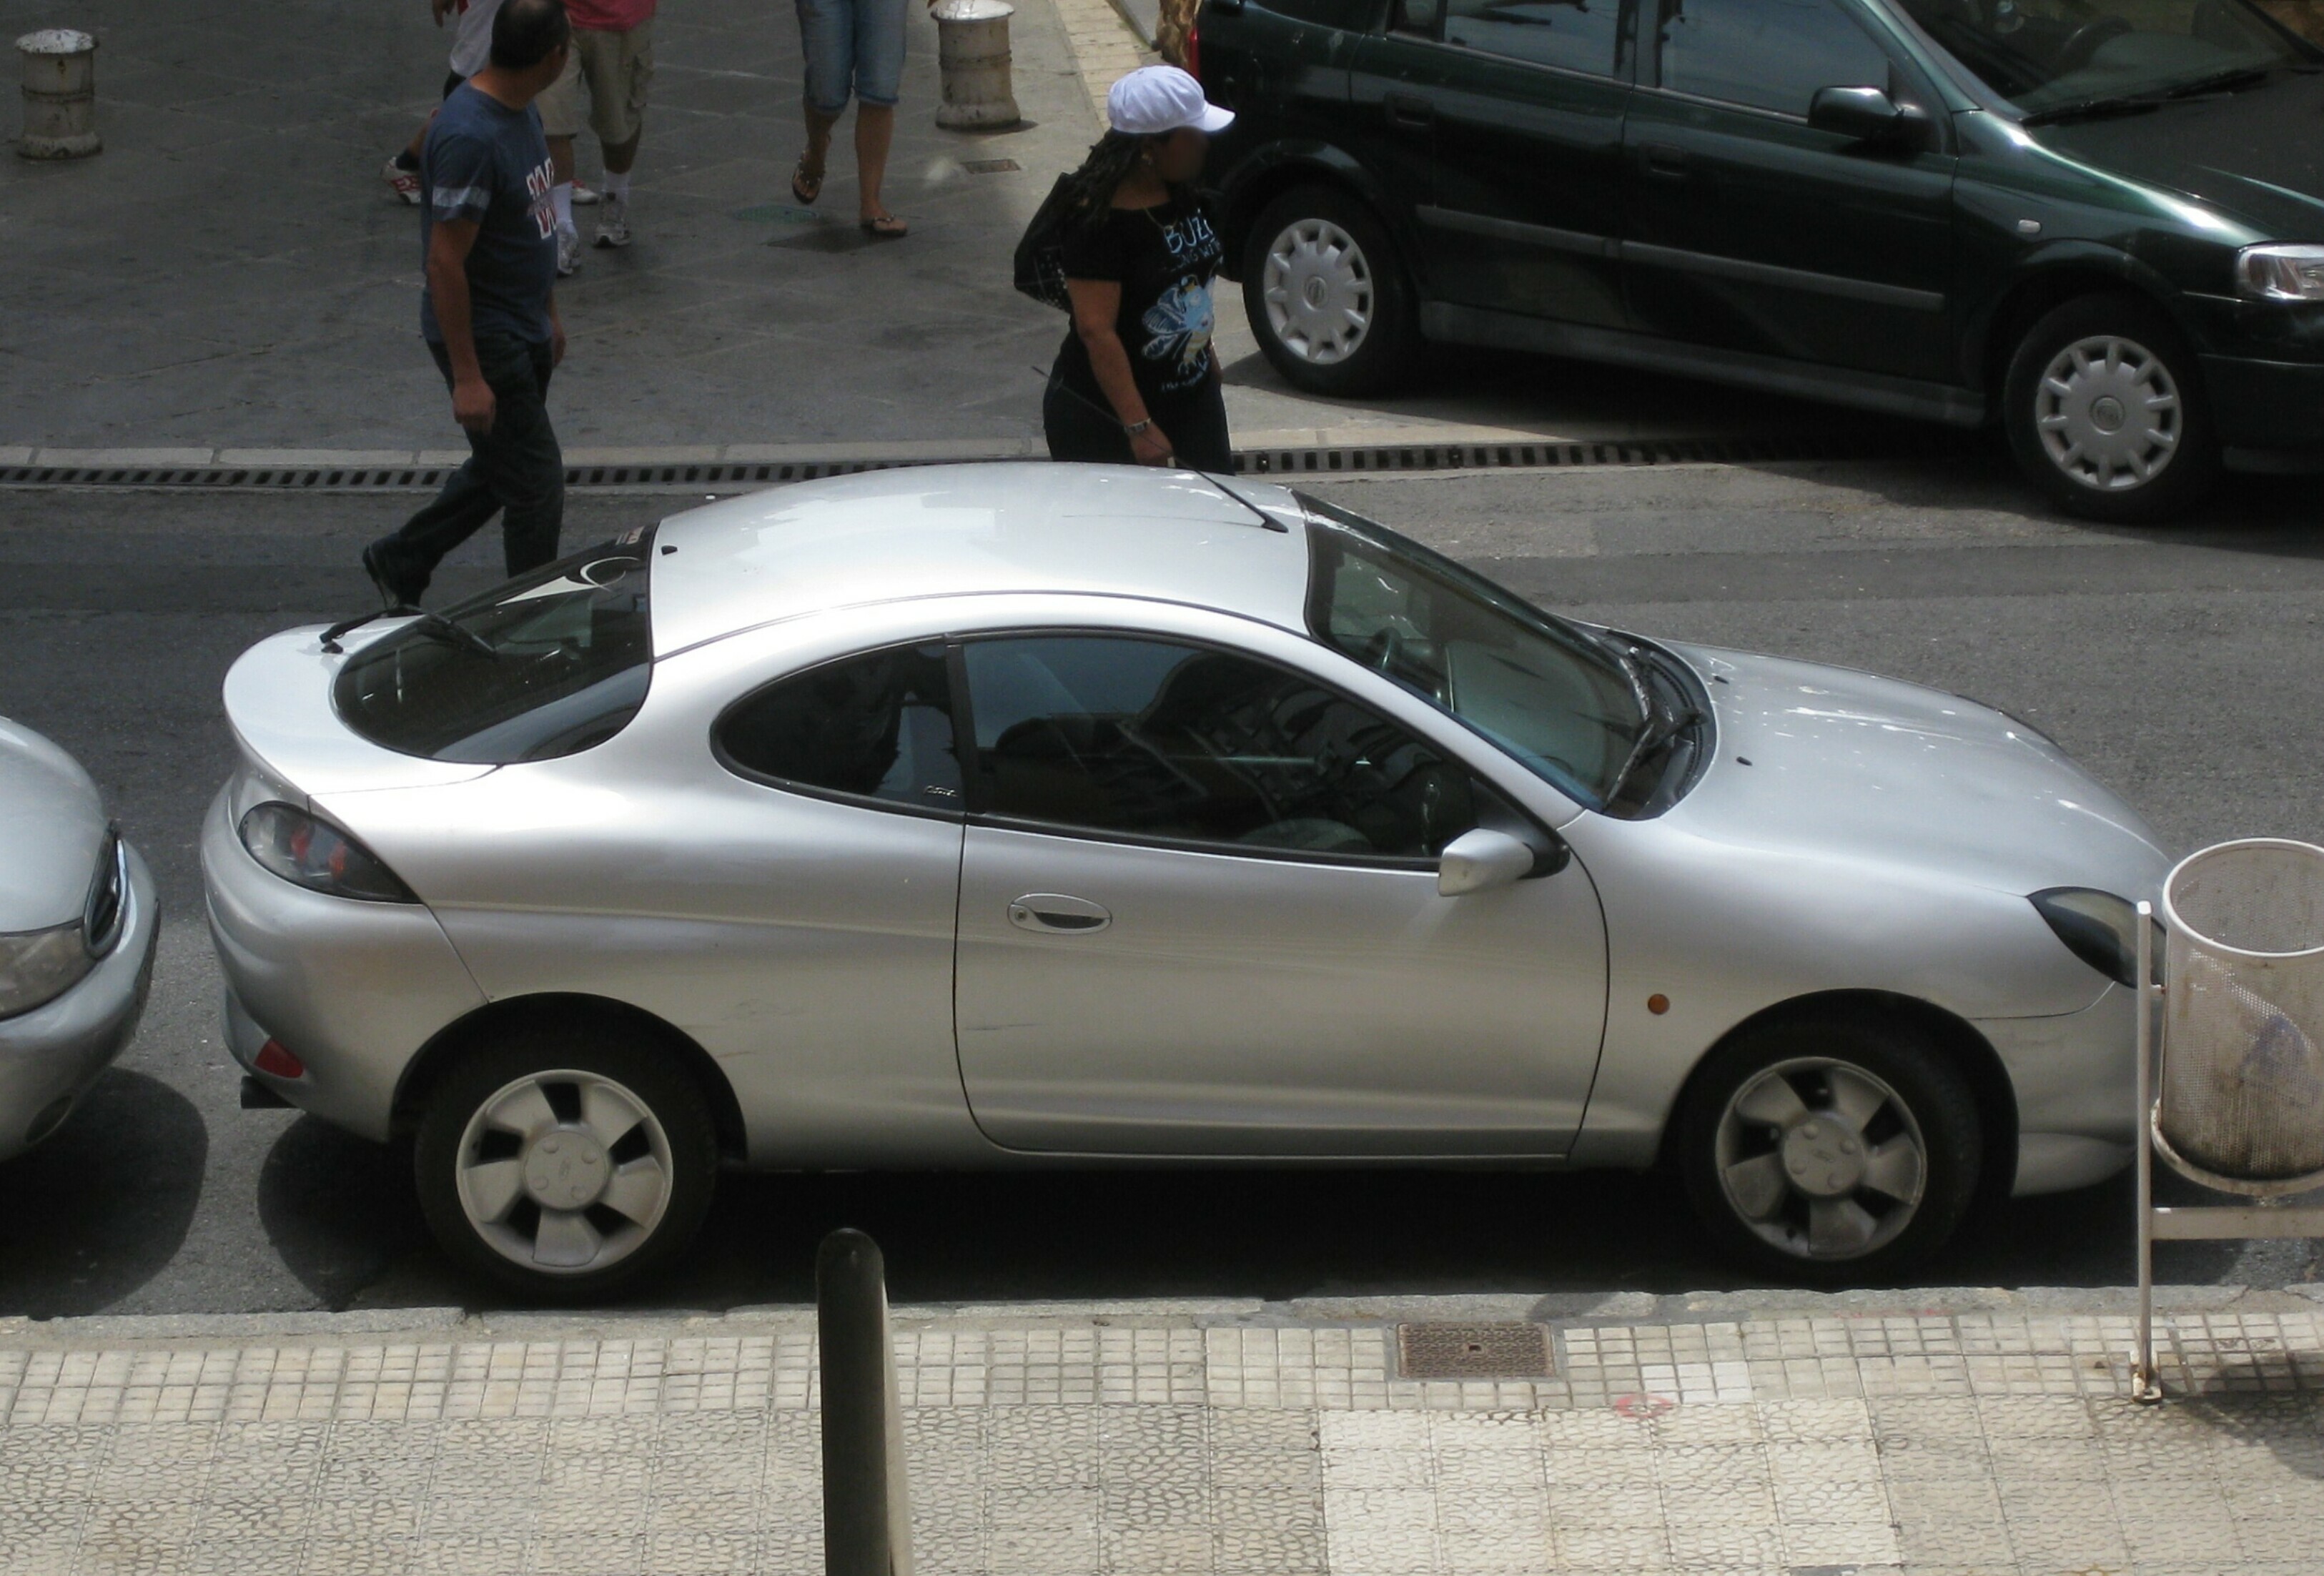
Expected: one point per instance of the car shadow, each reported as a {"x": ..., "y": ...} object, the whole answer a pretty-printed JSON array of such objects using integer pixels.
[
  {"x": 338, "y": 1209},
  {"x": 90, "y": 1217}
]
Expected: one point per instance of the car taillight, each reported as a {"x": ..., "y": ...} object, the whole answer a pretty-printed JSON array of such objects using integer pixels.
[
  {"x": 309, "y": 851},
  {"x": 1194, "y": 52}
]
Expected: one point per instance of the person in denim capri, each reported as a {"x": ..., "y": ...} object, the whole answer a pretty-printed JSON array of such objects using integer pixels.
[{"x": 854, "y": 48}]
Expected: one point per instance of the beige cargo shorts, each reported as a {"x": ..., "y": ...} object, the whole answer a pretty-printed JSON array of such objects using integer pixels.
[{"x": 617, "y": 67}]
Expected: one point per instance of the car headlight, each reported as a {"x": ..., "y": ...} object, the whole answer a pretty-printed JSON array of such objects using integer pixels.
[
  {"x": 2098, "y": 928},
  {"x": 308, "y": 851},
  {"x": 2281, "y": 272},
  {"x": 37, "y": 966}
]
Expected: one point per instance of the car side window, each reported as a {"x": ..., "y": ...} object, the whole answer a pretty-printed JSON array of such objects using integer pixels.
[
  {"x": 1415, "y": 16},
  {"x": 876, "y": 726},
  {"x": 1768, "y": 54},
  {"x": 1152, "y": 739},
  {"x": 1580, "y": 35}
]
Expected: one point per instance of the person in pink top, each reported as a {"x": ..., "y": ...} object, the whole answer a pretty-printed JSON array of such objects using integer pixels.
[{"x": 613, "y": 54}]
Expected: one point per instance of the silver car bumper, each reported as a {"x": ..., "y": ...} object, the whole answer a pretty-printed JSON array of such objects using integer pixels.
[
  {"x": 54, "y": 1052},
  {"x": 352, "y": 989},
  {"x": 2075, "y": 1076}
]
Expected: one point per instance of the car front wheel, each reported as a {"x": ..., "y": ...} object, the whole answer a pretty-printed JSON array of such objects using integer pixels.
[
  {"x": 2104, "y": 406},
  {"x": 564, "y": 1162},
  {"x": 1830, "y": 1151},
  {"x": 1326, "y": 300}
]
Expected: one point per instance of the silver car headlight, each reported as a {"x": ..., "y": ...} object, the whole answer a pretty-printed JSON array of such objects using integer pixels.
[
  {"x": 2281, "y": 271},
  {"x": 37, "y": 966},
  {"x": 2098, "y": 928},
  {"x": 308, "y": 851}
]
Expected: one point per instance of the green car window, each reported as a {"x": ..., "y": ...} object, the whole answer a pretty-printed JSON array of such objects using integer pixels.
[{"x": 2050, "y": 54}]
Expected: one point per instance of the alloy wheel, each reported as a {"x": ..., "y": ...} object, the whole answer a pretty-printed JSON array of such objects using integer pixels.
[
  {"x": 2109, "y": 413},
  {"x": 1318, "y": 289},
  {"x": 1822, "y": 1159},
  {"x": 564, "y": 1173}
]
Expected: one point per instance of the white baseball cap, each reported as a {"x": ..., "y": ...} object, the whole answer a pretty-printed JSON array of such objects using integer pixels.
[{"x": 1154, "y": 99}]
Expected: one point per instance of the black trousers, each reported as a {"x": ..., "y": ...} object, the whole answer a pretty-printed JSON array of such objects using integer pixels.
[
  {"x": 1082, "y": 426},
  {"x": 516, "y": 470}
]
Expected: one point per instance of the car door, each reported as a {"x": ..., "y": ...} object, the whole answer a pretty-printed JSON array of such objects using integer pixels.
[
  {"x": 1199, "y": 916},
  {"x": 1747, "y": 229},
  {"x": 1523, "y": 102}
]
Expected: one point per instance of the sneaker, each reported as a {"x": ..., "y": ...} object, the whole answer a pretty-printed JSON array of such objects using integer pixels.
[
  {"x": 614, "y": 223},
  {"x": 583, "y": 195},
  {"x": 374, "y": 563},
  {"x": 405, "y": 184},
  {"x": 569, "y": 252}
]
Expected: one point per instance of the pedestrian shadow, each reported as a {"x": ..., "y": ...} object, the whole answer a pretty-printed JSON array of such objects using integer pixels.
[
  {"x": 96, "y": 1213},
  {"x": 338, "y": 1209}
]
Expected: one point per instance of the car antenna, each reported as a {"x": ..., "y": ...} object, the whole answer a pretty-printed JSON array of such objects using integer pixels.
[{"x": 1265, "y": 520}]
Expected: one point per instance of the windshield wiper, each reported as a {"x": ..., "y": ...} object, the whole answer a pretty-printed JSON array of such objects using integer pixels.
[
  {"x": 1662, "y": 721},
  {"x": 434, "y": 625},
  {"x": 2228, "y": 81}
]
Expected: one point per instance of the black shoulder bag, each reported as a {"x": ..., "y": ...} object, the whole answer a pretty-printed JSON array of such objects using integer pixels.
[{"x": 1041, "y": 251}]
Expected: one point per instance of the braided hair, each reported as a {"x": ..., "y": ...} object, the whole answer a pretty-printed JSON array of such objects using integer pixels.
[{"x": 1090, "y": 188}]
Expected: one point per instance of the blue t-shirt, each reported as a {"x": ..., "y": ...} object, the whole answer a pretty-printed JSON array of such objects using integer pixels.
[{"x": 489, "y": 164}]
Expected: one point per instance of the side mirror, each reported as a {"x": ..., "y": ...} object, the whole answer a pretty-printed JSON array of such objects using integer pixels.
[
  {"x": 1866, "y": 114},
  {"x": 1481, "y": 861}
]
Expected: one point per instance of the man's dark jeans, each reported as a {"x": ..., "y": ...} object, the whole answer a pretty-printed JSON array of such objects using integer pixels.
[{"x": 516, "y": 466}]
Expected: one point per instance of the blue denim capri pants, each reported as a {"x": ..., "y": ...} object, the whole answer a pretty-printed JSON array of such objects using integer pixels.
[{"x": 853, "y": 46}]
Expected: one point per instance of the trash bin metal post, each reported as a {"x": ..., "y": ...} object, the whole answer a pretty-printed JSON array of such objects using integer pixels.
[
  {"x": 59, "y": 95},
  {"x": 972, "y": 57},
  {"x": 866, "y": 1511},
  {"x": 2144, "y": 1386}
]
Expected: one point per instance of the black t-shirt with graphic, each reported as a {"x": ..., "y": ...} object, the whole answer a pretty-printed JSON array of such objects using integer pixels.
[{"x": 1164, "y": 258}]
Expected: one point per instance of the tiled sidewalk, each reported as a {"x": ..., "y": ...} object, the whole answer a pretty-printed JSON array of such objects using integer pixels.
[{"x": 1151, "y": 1441}]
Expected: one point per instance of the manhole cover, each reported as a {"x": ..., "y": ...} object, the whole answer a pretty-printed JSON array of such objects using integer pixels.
[
  {"x": 777, "y": 213},
  {"x": 990, "y": 166},
  {"x": 1472, "y": 1351}
]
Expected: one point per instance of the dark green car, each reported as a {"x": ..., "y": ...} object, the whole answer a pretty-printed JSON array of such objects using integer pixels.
[{"x": 2099, "y": 223}]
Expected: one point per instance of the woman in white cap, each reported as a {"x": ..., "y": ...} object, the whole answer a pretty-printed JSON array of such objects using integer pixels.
[{"x": 1136, "y": 381}]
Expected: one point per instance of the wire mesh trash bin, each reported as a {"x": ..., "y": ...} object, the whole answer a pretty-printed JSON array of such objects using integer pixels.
[{"x": 2236, "y": 1048}]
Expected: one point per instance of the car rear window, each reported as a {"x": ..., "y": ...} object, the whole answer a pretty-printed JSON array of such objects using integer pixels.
[{"x": 548, "y": 663}]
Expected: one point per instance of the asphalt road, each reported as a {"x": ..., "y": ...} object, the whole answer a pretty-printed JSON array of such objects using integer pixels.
[{"x": 2179, "y": 665}]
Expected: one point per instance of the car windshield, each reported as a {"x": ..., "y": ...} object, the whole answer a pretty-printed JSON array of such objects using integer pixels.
[
  {"x": 548, "y": 665},
  {"x": 2055, "y": 56},
  {"x": 1545, "y": 691}
]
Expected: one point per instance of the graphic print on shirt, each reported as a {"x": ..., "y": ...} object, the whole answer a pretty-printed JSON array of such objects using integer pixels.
[
  {"x": 1179, "y": 324},
  {"x": 538, "y": 184}
]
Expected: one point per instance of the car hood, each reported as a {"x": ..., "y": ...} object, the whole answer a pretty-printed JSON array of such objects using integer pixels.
[
  {"x": 1880, "y": 772},
  {"x": 2257, "y": 155},
  {"x": 51, "y": 830}
]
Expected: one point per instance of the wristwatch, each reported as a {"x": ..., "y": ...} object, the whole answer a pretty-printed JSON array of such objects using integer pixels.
[{"x": 1132, "y": 428}]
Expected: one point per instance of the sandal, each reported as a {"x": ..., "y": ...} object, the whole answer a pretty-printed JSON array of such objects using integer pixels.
[
  {"x": 888, "y": 227},
  {"x": 805, "y": 187}
]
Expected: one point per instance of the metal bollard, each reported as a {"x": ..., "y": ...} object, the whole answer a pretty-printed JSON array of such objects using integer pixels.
[
  {"x": 59, "y": 95},
  {"x": 867, "y": 1510},
  {"x": 973, "y": 52}
]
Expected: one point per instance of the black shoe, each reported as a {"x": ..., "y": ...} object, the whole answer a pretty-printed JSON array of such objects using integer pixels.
[{"x": 391, "y": 595}]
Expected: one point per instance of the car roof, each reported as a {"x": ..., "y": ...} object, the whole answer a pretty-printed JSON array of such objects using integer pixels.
[{"x": 953, "y": 531}]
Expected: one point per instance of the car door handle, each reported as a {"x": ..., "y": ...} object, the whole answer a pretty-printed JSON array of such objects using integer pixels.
[
  {"x": 1661, "y": 160},
  {"x": 1410, "y": 113},
  {"x": 1057, "y": 914}
]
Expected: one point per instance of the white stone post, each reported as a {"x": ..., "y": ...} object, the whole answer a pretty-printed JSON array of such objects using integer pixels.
[
  {"x": 59, "y": 95},
  {"x": 973, "y": 53}
]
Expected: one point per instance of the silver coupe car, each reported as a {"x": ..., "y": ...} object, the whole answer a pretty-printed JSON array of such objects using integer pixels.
[
  {"x": 1054, "y": 816},
  {"x": 77, "y": 922}
]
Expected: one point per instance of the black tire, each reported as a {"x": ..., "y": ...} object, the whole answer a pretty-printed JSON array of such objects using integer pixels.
[
  {"x": 666, "y": 1122},
  {"x": 2109, "y": 481},
  {"x": 1924, "y": 1102},
  {"x": 1349, "y": 264}
]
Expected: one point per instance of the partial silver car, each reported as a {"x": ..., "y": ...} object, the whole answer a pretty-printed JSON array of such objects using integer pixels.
[
  {"x": 77, "y": 925},
  {"x": 1034, "y": 814}
]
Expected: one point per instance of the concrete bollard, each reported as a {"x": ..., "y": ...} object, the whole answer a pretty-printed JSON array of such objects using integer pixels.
[
  {"x": 59, "y": 95},
  {"x": 973, "y": 53},
  {"x": 867, "y": 1508}
]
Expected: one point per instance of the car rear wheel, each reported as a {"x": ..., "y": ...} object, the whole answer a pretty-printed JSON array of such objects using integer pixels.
[
  {"x": 565, "y": 1163},
  {"x": 1325, "y": 295},
  {"x": 1830, "y": 1150},
  {"x": 2104, "y": 405}
]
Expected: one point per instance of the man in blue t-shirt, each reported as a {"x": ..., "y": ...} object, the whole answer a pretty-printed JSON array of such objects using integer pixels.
[{"x": 488, "y": 242}]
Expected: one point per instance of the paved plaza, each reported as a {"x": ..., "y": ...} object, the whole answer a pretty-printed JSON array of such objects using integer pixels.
[{"x": 1839, "y": 1437}]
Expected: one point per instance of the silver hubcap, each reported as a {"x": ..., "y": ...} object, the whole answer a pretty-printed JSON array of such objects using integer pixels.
[
  {"x": 563, "y": 1171},
  {"x": 2109, "y": 413},
  {"x": 1318, "y": 289},
  {"x": 1822, "y": 1159}
]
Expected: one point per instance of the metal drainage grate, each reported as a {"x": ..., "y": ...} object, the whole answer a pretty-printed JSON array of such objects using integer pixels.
[
  {"x": 1363, "y": 459},
  {"x": 990, "y": 166},
  {"x": 1472, "y": 1351}
]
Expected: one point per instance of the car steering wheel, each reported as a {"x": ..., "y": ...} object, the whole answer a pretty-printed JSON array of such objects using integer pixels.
[{"x": 2086, "y": 40}]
